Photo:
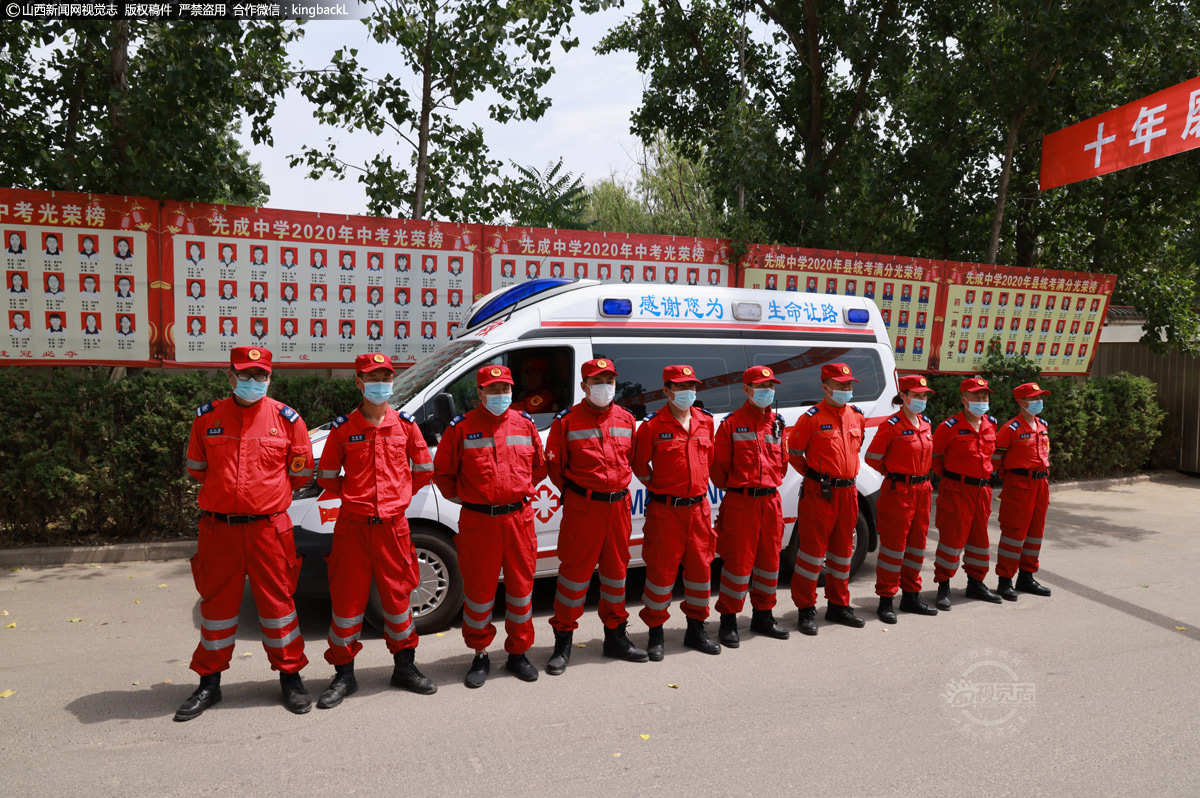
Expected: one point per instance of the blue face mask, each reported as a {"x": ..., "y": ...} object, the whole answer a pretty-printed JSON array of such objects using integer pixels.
[
  {"x": 842, "y": 397},
  {"x": 250, "y": 390},
  {"x": 497, "y": 403},
  {"x": 377, "y": 392},
  {"x": 978, "y": 408},
  {"x": 763, "y": 397},
  {"x": 917, "y": 405},
  {"x": 684, "y": 399},
  {"x": 1035, "y": 406}
]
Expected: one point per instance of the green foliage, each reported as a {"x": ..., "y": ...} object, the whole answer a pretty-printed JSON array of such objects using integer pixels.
[
  {"x": 81, "y": 455},
  {"x": 553, "y": 199},
  {"x": 148, "y": 108}
]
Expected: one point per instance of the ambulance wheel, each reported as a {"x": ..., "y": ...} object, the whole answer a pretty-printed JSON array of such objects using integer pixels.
[
  {"x": 862, "y": 542},
  {"x": 439, "y": 594}
]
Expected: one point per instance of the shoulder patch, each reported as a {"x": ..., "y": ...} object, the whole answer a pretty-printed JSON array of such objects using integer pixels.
[
  {"x": 339, "y": 421},
  {"x": 926, "y": 419},
  {"x": 950, "y": 422},
  {"x": 1043, "y": 422},
  {"x": 563, "y": 412},
  {"x": 812, "y": 411},
  {"x": 1014, "y": 424},
  {"x": 406, "y": 416},
  {"x": 288, "y": 413},
  {"x": 992, "y": 419},
  {"x": 527, "y": 415},
  {"x": 893, "y": 420},
  {"x": 650, "y": 416},
  {"x": 857, "y": 409},
  {"x": 706, "y": 412},
  {"x": 204, "y": 409},
  {"x": 457, "y": 419}
]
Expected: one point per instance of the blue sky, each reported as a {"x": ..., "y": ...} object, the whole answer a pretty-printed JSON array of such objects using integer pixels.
[{"x": 588, "y": 123}]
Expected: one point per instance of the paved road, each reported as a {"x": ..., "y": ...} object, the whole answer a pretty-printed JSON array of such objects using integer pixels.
[{"x": 1090, "y": 692}]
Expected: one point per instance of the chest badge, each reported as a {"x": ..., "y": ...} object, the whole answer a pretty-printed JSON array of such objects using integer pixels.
[{"x": 274, "y": 431}]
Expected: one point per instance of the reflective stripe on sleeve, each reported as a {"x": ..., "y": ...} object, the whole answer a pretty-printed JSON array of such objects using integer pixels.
[
  {"x": 197, "y": 465},
  {"x": 580, "y": 434},
  {"x": 417, "y": 468},
  {"x": 328, "y": 474},
  {"x": 304, "y": 472},
  {"x": 874, "y": 456},
  {"x": 620, "y": 432},
  {"x": 796, "y": 452}
]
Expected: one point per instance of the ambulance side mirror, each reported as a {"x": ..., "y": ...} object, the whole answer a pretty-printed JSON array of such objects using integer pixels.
[{"x": 443, "y": 408}]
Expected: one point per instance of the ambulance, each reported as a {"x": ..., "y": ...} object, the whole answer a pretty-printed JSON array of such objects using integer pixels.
[{"x": 641, "y": 328}]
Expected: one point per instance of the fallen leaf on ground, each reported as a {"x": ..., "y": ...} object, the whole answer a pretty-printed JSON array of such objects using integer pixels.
[
  {"x": 97, "y": 567},
  {"x": 1181, "y": 628},
  {"x": 581, "y": 645},
  {"x": 14, "y": 569},
  {"x": 162, "y": 585},
  {"x": 75, "y": 620},
  {"x": 137, "y": 601},
  {"x": 644, "y": 736},
  {"x": 135, "y": 682},
  {"x": 3, "y": 612},
  {"x": 618, "y": 753},
  {"x": 7, "y": 693},
  {"x": 11, "y": 625},
  {"x": 167, "y": 681},
  {"x": 1145, "y": 585},
  {"x": 248, "y": 654},
  {"x": 673, "y": 686},
  {"x": 440, "y": 634}
]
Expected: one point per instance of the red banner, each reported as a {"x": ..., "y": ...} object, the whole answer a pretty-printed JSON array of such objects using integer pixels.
[{"x": 1162, "y": 124}]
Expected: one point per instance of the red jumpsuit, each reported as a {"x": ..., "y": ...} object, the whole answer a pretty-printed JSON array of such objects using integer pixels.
[
  {"x": 904, "y": 451},
  {"x": 1025, "y": 497},
  {"x": 673, "y": 463},
  {"x": 826, "y": 440},
  {"x": 493, "y": 463},
  {"x": 384, "y": 466},
  {"x": 591, "y": 450},
  {"x": 749, "y": 459},
  {"x": 248, "y": 461},
  {"x": 963, "y": 509}
]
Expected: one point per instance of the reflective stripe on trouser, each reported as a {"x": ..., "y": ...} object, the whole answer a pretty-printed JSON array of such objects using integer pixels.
[
  {"x": 361, "y": 551},
  {"x": 749, "y": 533},
  {"x": 675, "y": 535},
  {"x": 826, "y": 530},
  {"x": 962, "y": 524},
  {"x": 592, "y": 533},
  {"x": 485, "y": 545},
  {"x": 225, "y": 555},
  {"x": 1023, "y": 504},
  {"x": 902, "y": 520}
]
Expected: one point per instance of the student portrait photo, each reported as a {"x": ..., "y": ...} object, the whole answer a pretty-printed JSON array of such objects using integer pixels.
[
  {"x": 228, "y": 290},
  {"x": 1070, "y": 348},
  {"x": 402, "y": 263},
  {"x": 869, "y": 289},
  {"x": 455, "y": 267},
  {"x": 966, "y": 322},
  {"x": 962, "y": 346},
  {"x": 124, "y": 249},
  {"x": 374, "y": 331},
  {"x": 851, "y": 287},
  {"x": 649, "y": 274},
  {"x": 1025, "y": 348},
  {"x": 1041, "y": 349},
  {"x": 1015, "y": 325},
  {"x": 887, "y": 317},
  {"x": 1079, "y": 303},
  {"x": 288, "y": 329},
  {"x": 18, "y": 323},
  {"x": 673, "y": 277},
  {"x": 1050, "y": 300},
  {"x": 581, "y": 270},
  {"x": 316, "y": 293},
  {"x": 452, "y": 329},
  {"x": 987, "y": 298},
  {"x": 1045, "y": 325},
  {"x": 195, "y": 253},
  {"x": 87, "y": 248},
  {"x": 1003, "y": 299},
  {"x": 125, "y": 327},
  {"x": 258, "y": 329},
  {"x": 288, "y": 256},
  {"x": 124, "y": 287},
  {"x": 402, "y": 297},
  {"x": 983, "y": 322},
  {"x": 1083, "y": 350},
  {"x": 772, "y": 281},
  {"x": 375, "y": 295},
  {"x": 693, "y": 276},
  {"x": 195, "y": 291},
  {"x": 627, "y": 274},
  {"x": 810, "y": 285},
  {"x": 1095, "y": 305},
  {"x": 1010, "y": 348},
  {"x": 374, "y": 262},
  {"x": 88, "y": 286},
  {"x": 1019, "y": 302},
  {"x": 317, "y": 328},
  {"x": 901, "y": 342},
  {"x": 346, "y": 261},
  {"x": 428, "y": 331},
  {"x": 999, "y": 324},
  {"x": 1035, "y": 301},
  {"x": 258, "y": 257},
  {"x": 921, "y": 320},
  {"x": 556, "y": 269},
  {"x": 429, "y": 264},
  {"x": 918, "y": 346},
  {"x": 346, "y": 295},
  {"x": 195, "y": 326},
  {"x": 903, "y": 318},
  {"x": 54, "y": 324},
  {"x": 402, "y": 331},
  {"x": 228, "y": 327},
  {"x": 455, "y": 297},
  {"x": 16, "y": 243},
  {"x": 793, "y": 284},
  {"x": 428, "y": 298},
  {"x": 1087, "y": 328},
  {"x": 831, "y": 286},
  {"x": 50, "y": 246},
  {"x": 1030, "y": 325},
  {"x": 979, "y": 347},
  {"x": 1074, "y": 328},
  {"x": 52, "y": 284},
  {"x": 1058, "y": 328},
  {"x": 604, "y": 271},
  {"x": 924, "y": 295},
  {"x": 906, "y": 292},
  {"x": 970, "y": 300},
  {"x": 1053, "y": 350},
  {"x": 888, "y": 289},
  {"x": 508, "y": 268},
  {"x": 288, "y": 292},
  {"x": 91, "y": 324},
  {"x": 347, "y": 330},
  {"x": 258, "y": 293},
  {"x": 317, "y": 259},
  {"x": 532, "y": 269},
  {"x": 228, "y": 255}
]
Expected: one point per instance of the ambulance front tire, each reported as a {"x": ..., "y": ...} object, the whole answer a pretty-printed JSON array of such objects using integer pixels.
[
  {"x": 862, "y": 542},
  {"x": 439, "y": 595}
]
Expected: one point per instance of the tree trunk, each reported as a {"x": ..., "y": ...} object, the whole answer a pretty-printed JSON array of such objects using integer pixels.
[
  {"x": 814, "y": 147},
  {"x": 418, "y": 206},
  {"x": 1002, "y": 191},
  {"x": 75, "y": 100},
  {"x": 1027, "y": 228},
  {"x": 118, "y": 84}
]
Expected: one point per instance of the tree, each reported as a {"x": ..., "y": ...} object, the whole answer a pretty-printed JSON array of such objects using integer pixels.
[
  {"x": 456, "y": 50},
  {"x": 148, "y": 108},
  {"x": 553, "y": 199}
]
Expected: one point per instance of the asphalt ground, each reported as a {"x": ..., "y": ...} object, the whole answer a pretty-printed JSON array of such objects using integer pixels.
[{"x": 1092, "y": 691}]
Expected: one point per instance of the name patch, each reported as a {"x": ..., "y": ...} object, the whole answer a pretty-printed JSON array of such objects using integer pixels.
[
  {"x": 906, "y": 432},
  {"x": 826, "y": 426},
  {"x": 964, "y": 432},
  {"x": 742, "y": 429},
  {"x": 666, "y": 436},
  {"x": 1024, "y": 435},
  {"x": 357, "y": 438},
  {"x": 472, "y": 436},
  {"x": 215, "y": 430}
]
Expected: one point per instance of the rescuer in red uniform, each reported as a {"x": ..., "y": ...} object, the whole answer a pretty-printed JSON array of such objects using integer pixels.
[
  {"x": 490, "y": 460},
  {"x": 1023, "y": 457},
  {"x": 673, "y": 451},
  {"x": 386, "y": 461},
  {"x": 248, "y": 452},
  {"x": 902, "y": 450},
  {"x": 588, "y": 456},
  {"x": 537, "y": 396},
  {"x": 749, "y": 465},
  {"x": 824, "y": 447},
  {"x": 963, "y": 446}
]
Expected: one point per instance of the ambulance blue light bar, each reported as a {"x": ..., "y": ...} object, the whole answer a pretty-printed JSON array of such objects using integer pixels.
[
  {"x": 858, "y": 315},
  {"x": 613, "y": 306},
  {"x": 505, "y": 301}
]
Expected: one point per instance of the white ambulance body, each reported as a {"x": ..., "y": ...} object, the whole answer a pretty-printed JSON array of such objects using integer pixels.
[{"x": 642, "y": 328}]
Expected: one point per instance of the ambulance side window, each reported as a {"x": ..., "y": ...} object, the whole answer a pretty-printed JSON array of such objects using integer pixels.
[{"x": 639, "y": 386}]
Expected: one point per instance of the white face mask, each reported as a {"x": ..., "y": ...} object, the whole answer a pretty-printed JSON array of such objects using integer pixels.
[{"x": 602, "y": 395}]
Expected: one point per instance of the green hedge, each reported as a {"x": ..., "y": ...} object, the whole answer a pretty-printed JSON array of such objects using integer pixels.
[{"x": 85, "y": 458}]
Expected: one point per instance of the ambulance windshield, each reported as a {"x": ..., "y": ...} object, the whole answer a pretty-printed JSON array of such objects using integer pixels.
[{"x": 413, "y": 380}]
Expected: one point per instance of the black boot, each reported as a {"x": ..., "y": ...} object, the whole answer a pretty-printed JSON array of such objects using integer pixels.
[
  {"x": 978, "y": 590},
  {"x": 295, "y": 697},
  {"x": 911, "y": 602},
  {"x": 697, "y": 637},
  {"x": 654, "y": 645},
  {"x": 203, "y": 697},
  {"x": 943, "y": 596},
  {"x": 562, "y": 653},
  {"x": 520, "y": 666},
  {"x": 1027, "y": 584},
  {"x": 808, "y": 620},
  {"x": 728, "y": 634},
  {"x": 1004, "y": 588},
  {"x": 843, "y": 614},
  {"x": 344, "y": 683},
  {"x": 762, "y": 622},
  {"x": 481, "y": 666},
  {"x": 885, "y": 612},
  {"x": 618, "y": 645},
  {"x": 408, "y": 676}
]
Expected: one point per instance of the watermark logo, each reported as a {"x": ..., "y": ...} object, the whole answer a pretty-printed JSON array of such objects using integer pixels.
[{"x": 988, "y": 695}]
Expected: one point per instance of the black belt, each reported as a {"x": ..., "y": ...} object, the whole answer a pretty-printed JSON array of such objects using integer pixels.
[
  {"x": 495, "y": 509},
  {"x": 755, "y": 492},
  {"x": 837, "y": 483},
  {"x": 1025, "y": 472},
  {"x": 911, "y": 479},
  {"x": 599, "y": 496},
  {"x": 979, "y": 483},
  {"x": 237, "y": 519},
  {"x": 675, "y": 501}
]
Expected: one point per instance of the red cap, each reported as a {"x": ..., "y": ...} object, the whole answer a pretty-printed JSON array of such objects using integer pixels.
[
  {"x": 838, "y": 372},
  {"x": 915, "y": 383},
  {"x": 372, "y": 362},
  {"x": 679, "y": 374},
  {"x": 535, "y": 364},
  {"x": 1029, "y": 390},
  {"x": 758, "y": 374},
  {"x": 490, "y": 374},
  {"x": 974, "y": 384},
  {"x": 598, "y": 366},
  {"x": 250, "y": 357}
]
